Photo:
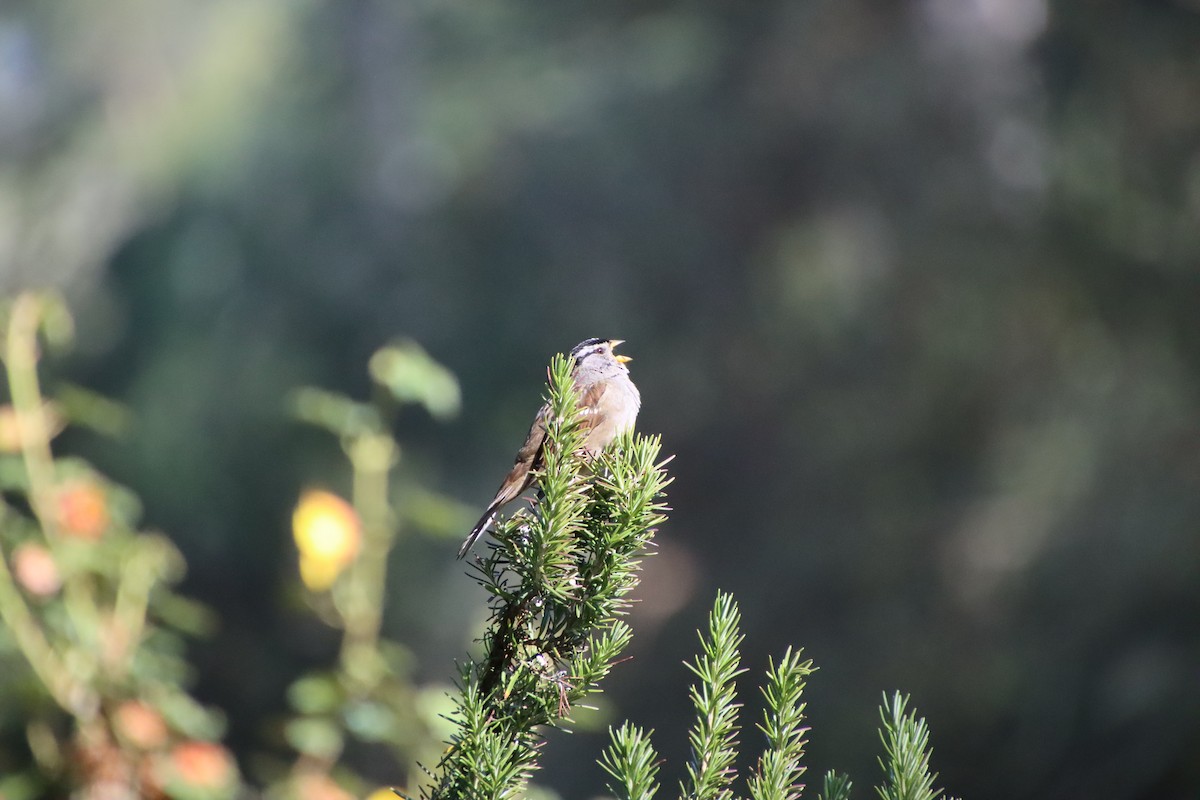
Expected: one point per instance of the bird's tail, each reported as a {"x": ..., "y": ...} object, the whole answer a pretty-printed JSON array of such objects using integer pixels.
[{"x": 478, "y": 530}]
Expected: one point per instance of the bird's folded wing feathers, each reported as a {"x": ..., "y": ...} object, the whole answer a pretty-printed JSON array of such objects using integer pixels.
[
  {"x": 529, "y": 458},
  {"x": 534, "y": 440},
  {"x": 591, "y": 409}
]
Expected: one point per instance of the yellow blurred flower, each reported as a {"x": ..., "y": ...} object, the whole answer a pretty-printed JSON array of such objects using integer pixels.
[
  {"x": 383, "y": 793},
  {"x": 328, "y": 535}
]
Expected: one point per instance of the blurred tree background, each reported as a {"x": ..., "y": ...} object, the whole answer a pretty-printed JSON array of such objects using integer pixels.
[{"x": 912, "y": 290}]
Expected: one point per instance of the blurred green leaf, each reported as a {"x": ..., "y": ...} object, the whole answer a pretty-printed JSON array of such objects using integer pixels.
[
  {"x": 187, "y": 716},
  {"x": 12, "y": 474},
  {"x": 184, "y": 614},
  {"x": 57, "y": 324},
  {"x": 169, "y": 561},
  {"x": 315, "y": 694},
  {"x": 435, "y": 705},
  {"x": 15, "y": 527},
  {"x": 314, "y": 736},
  {"x": 364, "y": 665},
  {"x": 124, "y": 507},
  {"x": 337, "y": 413},
  {"x": 412, "y": 376},
  {"x": 21, "y": 786},
  {"x": 435, "y": 513},
  {"x": 158, "y": 662},
  {"x": 398, "y": 658},
  {"x": 370, "y": 721},
  {"x": 92, "y": 410}
]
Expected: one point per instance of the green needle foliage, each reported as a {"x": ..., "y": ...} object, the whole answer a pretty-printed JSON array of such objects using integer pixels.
[
  {"x": 558, "y": 577},
  {"x": 714, "y": 736},
  {"x": 836, "y": 787},
  {"x": 631, "y": 760},
  {"x": 778, "y": 774},
  {"x": 906, "y": 746}
]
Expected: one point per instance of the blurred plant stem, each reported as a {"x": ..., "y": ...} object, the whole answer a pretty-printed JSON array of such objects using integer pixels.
[
  {"x": 138, "y": 577},
  {"x": 344, "y": 548},
  {"x": 21, "y": 357},
  {"x": 43, "y": 660},
  {"x": 372, "y": 457},
  {"x": 409, "y": 376},
  {"x": 66, "y": 680}
]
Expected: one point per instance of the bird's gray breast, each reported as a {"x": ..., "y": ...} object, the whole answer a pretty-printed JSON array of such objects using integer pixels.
[{"x": 616, "y": 412}]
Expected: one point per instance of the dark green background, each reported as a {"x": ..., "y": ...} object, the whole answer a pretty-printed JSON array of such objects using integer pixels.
[{"x": 911, "y": 289}]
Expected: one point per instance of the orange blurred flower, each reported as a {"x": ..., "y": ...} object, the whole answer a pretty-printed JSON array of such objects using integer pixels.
[
  {"x": 205, "y": 765},
  {"x": 318, "y": 786},
  {"x": 140, "y": 725},
  {"x": 82, "y": 510},
  {"x": 328, "y": 534},
  {"x": 35, "y": 570}
]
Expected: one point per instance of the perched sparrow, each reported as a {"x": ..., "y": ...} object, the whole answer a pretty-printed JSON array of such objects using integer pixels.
[{"x": 610, "y": 403}]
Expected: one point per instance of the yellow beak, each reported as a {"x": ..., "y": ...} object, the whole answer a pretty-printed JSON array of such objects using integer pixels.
[{"x": 613, "y": 345}]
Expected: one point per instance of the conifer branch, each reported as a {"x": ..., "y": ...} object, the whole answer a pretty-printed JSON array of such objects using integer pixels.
[
  {"x": 558, "y": 576},
  {"x": 633, "y": 762},
  {"x": 777, "y": 776},
  {"x": 906, "y": 750},
  {"x": 836, "y": 787},
  {"x": 714, "y": 736}
]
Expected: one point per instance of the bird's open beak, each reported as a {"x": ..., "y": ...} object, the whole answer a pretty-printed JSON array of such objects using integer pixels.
[{"x": 613, "y": 345}]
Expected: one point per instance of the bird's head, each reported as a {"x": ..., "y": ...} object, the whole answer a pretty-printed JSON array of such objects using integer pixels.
[{"x": 598, "y": 354}]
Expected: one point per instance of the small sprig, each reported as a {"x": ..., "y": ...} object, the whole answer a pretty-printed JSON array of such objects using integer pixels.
[
  {"x": 714, "y": 736},
  {"x": 836, "y": 787},
  {"x": 633, "y": 762},
  {"x": 906, "y": 753},
  {"x": 777, "y": 776}
]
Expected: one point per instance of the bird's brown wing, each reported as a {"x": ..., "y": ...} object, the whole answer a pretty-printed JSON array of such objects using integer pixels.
[
  {"x": 530, "y": 456},
  {"x": 528, "y": 459},
  {"x": 591, "y": 403}
]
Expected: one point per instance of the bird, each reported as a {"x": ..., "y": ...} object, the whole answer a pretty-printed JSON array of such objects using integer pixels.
[{"x": 610, "y": 403}]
